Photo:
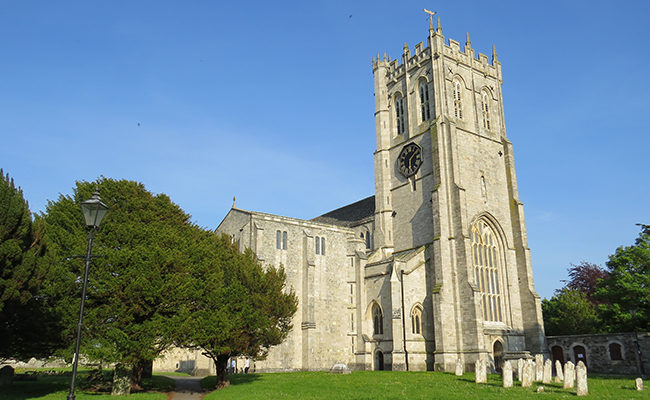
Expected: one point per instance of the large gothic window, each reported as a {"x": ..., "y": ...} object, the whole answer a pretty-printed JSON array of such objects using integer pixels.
[
  {"x": 485, "y": 256},
  {"x": 458, "y": 99},
  {"x": 399, "y": 114},
  {"x": 485, "y": 109},
  {"x": 424, "y": 101},
  {"x": 378, "y": 320}
]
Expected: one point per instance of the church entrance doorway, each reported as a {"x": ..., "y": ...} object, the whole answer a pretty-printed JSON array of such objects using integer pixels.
[
  {"x": 497, "y": 352},
  {"x": 379, "y": 361}
]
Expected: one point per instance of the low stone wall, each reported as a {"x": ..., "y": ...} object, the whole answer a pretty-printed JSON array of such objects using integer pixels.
[{"x": 613, "y": 353}]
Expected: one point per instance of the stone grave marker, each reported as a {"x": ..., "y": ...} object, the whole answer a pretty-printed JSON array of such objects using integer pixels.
[
  {"x": 507, "y": 374},
  {"x": 569, "y": 375},
  {"x": 460, "y": 367},
  {"x": 559, "y": 376},
  {"x": 539, "y": 367},
  {"x": 548, "y": 371},
  {"x": 520, "y": 368},
  {"x": 481, "y": 371},
  {"x": 527, "y": 374},
  {"x": 581, "y": 379},
  {"x": 6, "y": 375},
  {"x": 639, "y": 383}
]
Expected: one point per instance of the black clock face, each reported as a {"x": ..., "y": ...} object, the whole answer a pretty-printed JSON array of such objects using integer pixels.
[{"x": 410, "y": 159}]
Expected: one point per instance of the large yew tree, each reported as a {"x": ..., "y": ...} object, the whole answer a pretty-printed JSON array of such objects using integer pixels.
[
  {"x": 235, "y": 305},
  {"x": 135, "y": 287}
]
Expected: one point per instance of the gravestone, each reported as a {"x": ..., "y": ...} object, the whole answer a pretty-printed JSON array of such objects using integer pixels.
[
  {"x": 6, "y": 375},
  {"x": 569, "y": 375},
  {"x": 539, "y": 367},
  {"x": 527, "y": 374},
  {"x": 459, "y": 367},
  {"x": 639, "y": 383},
  {"x": 481, "y": 371},
  {"x": 581, "y": 378},
  {"x": 122, "y": 380},
  {"x": 548, "y": 371},
  {"x": 507, "y": 374},
  {"x": 520, "y": 368},
  {"x": 559, "y": 376},
  {"x": 340, "y": 369}
]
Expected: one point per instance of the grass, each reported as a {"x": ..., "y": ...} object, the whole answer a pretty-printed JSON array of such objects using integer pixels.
[
  {"x": 404, "y": 385},
  {"x": 57, "y": 387}
]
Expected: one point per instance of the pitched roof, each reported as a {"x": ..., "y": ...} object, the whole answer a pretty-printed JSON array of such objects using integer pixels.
[{"x": 350, "y": 214}]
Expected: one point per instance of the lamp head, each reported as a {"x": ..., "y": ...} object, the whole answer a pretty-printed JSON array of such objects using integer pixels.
[{"x": 94, "y": 210}]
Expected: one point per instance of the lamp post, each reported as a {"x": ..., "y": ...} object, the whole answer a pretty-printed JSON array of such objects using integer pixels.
[{"x": 94, "y": 211}]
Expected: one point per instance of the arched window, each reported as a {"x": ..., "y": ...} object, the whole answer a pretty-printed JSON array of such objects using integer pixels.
[
  {"x": 424, "y": 101},
  {"x": 485, "y": 256},
  {"x": 317, "y": 241},
  {"x": 399, "y": 114},
  {"x": 378, "y": 320},
  {"x": 458, "y": 99},
  {"x": 416, "y": 320},
  {"x": 485, "y": 109}
]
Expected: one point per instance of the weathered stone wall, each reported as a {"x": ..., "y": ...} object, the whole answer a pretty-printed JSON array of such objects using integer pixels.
[{"x": 598, "y": 355}]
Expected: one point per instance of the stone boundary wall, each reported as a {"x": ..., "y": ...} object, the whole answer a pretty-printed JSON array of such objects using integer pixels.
[{"x": 601, "y": 354}]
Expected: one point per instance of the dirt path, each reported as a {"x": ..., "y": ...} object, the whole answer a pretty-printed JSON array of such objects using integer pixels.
[{"x": 187, "y": 388}]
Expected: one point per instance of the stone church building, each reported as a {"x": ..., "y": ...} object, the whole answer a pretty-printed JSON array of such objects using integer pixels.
[{"x": 435, "y": 266}]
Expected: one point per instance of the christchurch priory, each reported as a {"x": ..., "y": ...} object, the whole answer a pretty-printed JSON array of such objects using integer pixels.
[{"x": 435, "y": 267}]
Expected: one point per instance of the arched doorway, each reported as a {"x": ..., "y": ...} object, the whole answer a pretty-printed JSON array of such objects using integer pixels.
[
  {"x": 497, "y": 353},
  {"x": 580, "y": 354},
  {"x": 558, "y": 354},
  {"x": 379, "y": 361}
]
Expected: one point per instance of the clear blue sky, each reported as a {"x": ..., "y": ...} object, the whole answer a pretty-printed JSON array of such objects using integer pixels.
[{"x": 272, "y": 102}]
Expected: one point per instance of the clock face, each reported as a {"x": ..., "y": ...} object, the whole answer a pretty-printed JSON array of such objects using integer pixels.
[{"x": 410, "y": 159}]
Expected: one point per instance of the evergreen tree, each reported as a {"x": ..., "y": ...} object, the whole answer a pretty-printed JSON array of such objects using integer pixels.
[
  {"x": 27, "y": 328},
  {"x": 569, "y": 312},
  {"x": 236, "y": 307}
]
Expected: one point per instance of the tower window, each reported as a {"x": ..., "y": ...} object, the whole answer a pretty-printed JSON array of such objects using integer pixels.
[
  {"x": 317, "y": 241},
  {"x": 399, "y": 114},
  {"x": 284, "y": 240},
  {"x": 322, "y": 246},
  {"x": 319, "y": 245},
  {"x": 485, "y": 256},
  {"x": 485, "y": 109},
  {"x": 281, "y": 240},
  {"x": 458, "y": 100},
  {"x": 424, "y": 102}
]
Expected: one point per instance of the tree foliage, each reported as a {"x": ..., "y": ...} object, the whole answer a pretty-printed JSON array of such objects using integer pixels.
[
  {"x": 569, "y": 312},
  {"x": 585, "y": 277},
  {"x": 626, "y": 293},
  {"x": 236, "y": 307},
  {"x": 134, "y": 289},
  {"x": 27, "y": 328}
]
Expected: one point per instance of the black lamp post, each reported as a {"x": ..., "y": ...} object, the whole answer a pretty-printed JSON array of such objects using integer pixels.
[{"x": 94, "y": 211}]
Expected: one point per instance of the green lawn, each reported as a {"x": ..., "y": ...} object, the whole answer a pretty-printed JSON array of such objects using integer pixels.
[
  {"x": 405, "y": 385},
  {"x": 57, "y": 387}
]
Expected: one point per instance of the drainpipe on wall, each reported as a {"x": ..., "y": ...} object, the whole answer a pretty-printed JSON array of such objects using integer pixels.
[{"x": 406, "y": 354}]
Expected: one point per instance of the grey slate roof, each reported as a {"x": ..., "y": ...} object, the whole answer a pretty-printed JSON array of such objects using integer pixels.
[{"x": 350, "y": 214}]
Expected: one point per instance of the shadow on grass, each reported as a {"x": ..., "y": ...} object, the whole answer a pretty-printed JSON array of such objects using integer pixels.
[{"x": 42, "y": 386}]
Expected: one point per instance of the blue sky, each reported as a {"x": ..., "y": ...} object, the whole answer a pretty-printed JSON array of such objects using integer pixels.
[{"x": 272, "y": 102}]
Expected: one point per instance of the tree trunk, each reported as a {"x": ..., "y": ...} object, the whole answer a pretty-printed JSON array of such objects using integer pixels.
[
  {"x": 222, "y": 378},
  {"x": 137, "y": 377}
]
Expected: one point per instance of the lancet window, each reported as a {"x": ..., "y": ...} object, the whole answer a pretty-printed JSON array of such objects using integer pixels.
[
  {"x": 458, "y": 99},
  {"x": 485, "y": 109},
  {"x": 378, "y": 320},
  {"x": 416, "y": 320},
  {"x": 485, "y": 256},
  {"x": 424, "y": 101},
  {"x": 399, "y": 114}
]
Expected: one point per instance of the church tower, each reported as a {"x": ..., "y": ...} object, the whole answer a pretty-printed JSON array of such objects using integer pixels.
[{"x": 449, "y": 224}]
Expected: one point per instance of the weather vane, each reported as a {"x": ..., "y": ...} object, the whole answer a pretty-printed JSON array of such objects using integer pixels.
[{"x": 431, "y": 14}]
